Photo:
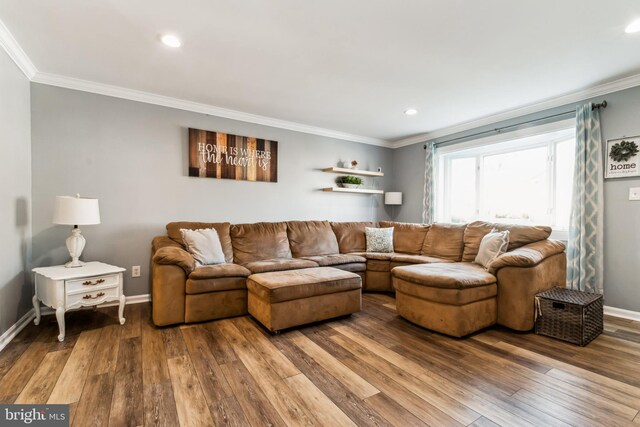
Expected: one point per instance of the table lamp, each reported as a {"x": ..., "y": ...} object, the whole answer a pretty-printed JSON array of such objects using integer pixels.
[
  {"x": 393, "y": 198},
  {"x": 76, "y": 211}
]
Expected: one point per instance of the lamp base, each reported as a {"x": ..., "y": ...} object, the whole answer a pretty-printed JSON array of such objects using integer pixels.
[
  {"x": 75, "y": 245},
  {"x": 74, "y": 263}
]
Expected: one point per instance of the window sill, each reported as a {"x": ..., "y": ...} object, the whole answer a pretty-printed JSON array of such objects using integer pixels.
[{"x": 562, "y": 235}]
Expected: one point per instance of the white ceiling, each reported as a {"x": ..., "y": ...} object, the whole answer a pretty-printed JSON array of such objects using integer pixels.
[{"x": 351, "y": 66}]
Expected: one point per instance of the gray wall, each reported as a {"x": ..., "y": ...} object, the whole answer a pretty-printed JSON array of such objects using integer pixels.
[
  {"x": 133, "y": 157},
  {"x": 621, "y": 216},
  {"x": 15, "y": 193}
]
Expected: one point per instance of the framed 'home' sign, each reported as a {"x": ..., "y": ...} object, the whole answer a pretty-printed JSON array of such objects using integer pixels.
[
  {"x": 222, "y": 155},
  {"x": 623, "y": 158}
]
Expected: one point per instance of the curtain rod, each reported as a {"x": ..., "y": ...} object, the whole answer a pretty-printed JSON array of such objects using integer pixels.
[{"x": 603, "y": 104}]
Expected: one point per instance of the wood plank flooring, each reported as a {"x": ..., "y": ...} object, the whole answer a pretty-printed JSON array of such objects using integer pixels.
[{"x": 369, "y": 369}]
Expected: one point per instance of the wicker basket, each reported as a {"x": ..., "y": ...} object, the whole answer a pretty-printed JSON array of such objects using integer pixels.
[{"x": 573, "y": 316}]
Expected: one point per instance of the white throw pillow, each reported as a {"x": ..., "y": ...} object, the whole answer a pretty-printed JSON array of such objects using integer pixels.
[
  {"x": 379, "y": 239},
  {"x": 204, "y": 245},
  {"x": 492, "y": 246}
]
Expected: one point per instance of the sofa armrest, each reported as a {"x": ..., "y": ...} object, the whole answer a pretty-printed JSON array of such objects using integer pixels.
[
  {"x": 163, "y": 242},
  {"x": 171, "y": 255},
  {"x": 528, "y": 255},
  {"x": 518, "y": 286},
  {"x": 167, "y": 294}
]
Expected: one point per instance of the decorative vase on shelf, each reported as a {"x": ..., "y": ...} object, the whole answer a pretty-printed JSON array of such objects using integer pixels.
[{"x": 351, "y": 185}]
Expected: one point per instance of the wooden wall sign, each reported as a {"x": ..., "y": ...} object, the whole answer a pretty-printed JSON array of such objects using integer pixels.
[{"x": 222, "y": 155}]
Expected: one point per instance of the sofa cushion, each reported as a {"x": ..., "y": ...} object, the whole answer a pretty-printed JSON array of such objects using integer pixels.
[
  {"x": 310, "y": 238},
  {"x": 458, "y": 275},
  {"x": 492, "y": 246},
  {"x": 218, "y": 271},
  {"x": 416, "y": 259},
  {"x": 444, "y": 241},
  {"x": 446, "y": 295},
  {"x": 279, "y": 264},
  {"x": 356, "y": 267},
  {"x": 519, "y": 235},
  {"x": 378, "y": 265},
  {"x": 163, "y": 242},
  {"x": 173, "y": 231},
  {"x": 395, "y": 256},
  {"x": 529, "y": 255},
  {"x": 379, "y": 239},
  {"x": 473, "y": 235},
  {"x": 202, "y": 286},
  {"x": 379, "y": 256},
  {"x": 402, "y": 260},
  {"x": 350, "y": 235},
  {"x": 407, "y": 238},
  {"x": 204, "y": 245},
  {"x": 336, "y": 259},
  {"x": 262, "y": 240},
  {"x": 297, "y": 284},
  {"x": 170, "y": 255}
]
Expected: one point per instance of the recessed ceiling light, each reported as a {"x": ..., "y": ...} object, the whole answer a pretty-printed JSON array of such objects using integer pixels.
[
  {"x": 171, "y": 40},
  {"x": 634, "y": 27},
  {"x": 411, "y": 112}
]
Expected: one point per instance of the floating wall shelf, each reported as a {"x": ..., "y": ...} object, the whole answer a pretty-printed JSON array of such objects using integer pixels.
[
  {"x": 353, "y": 190},
  {"x": 353, "y": 171}
]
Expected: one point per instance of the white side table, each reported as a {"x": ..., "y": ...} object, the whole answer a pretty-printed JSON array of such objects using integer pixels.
[{"x": 65, "y": 288}]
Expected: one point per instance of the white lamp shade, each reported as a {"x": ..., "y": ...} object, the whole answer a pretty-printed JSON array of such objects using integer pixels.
[
  {"x": 76, "y": 211},
  {"x": 393, "y": 198}
]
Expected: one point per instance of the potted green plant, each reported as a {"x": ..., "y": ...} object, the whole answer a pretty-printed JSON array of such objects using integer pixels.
[{"x": 349, "y": 181}]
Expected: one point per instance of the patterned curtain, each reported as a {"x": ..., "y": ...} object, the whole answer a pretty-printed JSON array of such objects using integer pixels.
[
  {"x": 584, "y": 250},
  {"x": 428, "y": 195}
]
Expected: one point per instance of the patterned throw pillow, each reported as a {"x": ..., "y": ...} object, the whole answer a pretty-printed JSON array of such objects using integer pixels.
[
  {"x": 379, "y": 239},
  {"x": 492, "y": 246},
  {"x": 204, "y": 245}
]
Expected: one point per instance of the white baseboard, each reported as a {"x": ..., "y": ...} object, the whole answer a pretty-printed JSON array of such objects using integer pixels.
[
  {"x": 16, "y": 328},
  {"x": 30, "y": 315},
  {"x": 137, "y": 299},
  {"x": 620, "y": 312}
]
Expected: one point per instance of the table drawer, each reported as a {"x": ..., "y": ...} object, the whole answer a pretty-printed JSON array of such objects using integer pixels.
[
  {"x": 92, "y": 297},
  {"x": 91, "y": 283}
]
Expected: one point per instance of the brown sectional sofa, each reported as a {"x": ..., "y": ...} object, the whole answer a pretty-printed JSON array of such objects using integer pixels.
[{"x": 436, "y": 283}]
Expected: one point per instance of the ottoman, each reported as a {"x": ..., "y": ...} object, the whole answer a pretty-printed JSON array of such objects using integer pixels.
[
  {"x": 451, "y": 298},
  {"x": 283, "y": 299}
]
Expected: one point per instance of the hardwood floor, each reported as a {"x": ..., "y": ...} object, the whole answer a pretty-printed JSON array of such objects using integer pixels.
[{"x": 370, "y": 369}]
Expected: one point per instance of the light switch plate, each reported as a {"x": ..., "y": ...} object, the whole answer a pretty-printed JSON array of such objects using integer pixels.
[{"x": 634, "y": 193}]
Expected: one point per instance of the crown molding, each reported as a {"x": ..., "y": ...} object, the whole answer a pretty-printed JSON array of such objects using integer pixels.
[
  {"x": 16, "y": 53},
  {"x": 181, "y": 104},
  {"x": 569, "y": 98}
]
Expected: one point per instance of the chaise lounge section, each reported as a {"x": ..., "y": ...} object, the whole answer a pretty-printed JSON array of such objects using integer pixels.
[
  {"x": 461, "y": 297},
  {"x": 451, "y": 298},
  {"x": 431, "y": 270}
]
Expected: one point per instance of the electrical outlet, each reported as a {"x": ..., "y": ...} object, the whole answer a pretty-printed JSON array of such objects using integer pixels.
[
  {"x": 634, "y": 193},
  {"x": 135, "y": 271}
]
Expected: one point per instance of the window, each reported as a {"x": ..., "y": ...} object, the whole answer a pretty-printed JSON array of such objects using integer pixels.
[{"x": 524, "y": 177}]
